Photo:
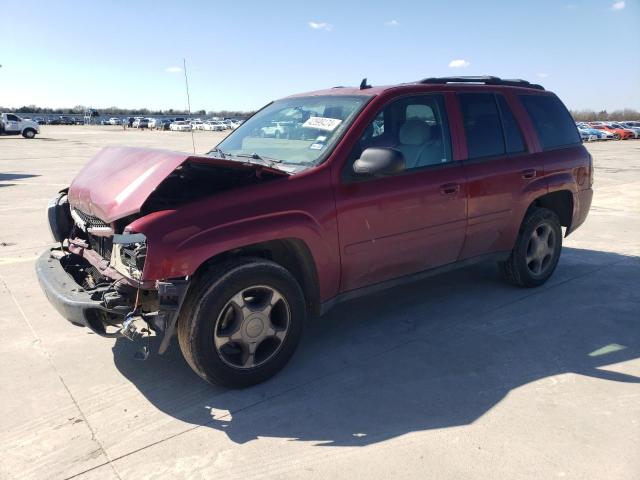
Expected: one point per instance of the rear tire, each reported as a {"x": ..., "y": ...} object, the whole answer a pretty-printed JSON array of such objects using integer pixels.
[
  {"x": 241, "y": 322},
  {"x": 29, "y": 133},
  {"x": 537, "y": 250}
]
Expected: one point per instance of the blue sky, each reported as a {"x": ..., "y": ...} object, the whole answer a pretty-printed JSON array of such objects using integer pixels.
[{"x": 243, "y": 54}]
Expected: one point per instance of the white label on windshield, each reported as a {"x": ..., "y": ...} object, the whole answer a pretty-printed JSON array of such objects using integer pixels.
[{"x": 321, "y": 123}]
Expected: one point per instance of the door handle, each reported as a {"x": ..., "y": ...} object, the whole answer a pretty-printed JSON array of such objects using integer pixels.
[
  {"x": 528, "y": 174},
  {"x": 449, "y": 188}
]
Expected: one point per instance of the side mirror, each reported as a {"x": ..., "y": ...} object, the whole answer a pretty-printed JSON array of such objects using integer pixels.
[{"x": 379, "y": 161}]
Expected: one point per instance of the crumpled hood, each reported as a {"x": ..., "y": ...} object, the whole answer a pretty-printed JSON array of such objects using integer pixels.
[{"x": 117, "y": 181}]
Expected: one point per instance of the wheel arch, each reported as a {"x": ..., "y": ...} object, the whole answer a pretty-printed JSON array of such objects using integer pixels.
[
  {"x": 290, "y": 253},
  {"x": 560, "y": 202},
  {"x": 29, "y": 129}
]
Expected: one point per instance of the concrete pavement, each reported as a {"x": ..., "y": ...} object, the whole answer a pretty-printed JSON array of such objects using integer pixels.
[{"x": 459, "y": 376}]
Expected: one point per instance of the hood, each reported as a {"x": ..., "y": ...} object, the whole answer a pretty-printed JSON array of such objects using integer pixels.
[{"x": 117, "y": 181}]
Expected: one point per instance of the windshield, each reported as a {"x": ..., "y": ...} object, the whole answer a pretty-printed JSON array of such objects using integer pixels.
[{"x": 297, "y": 131}]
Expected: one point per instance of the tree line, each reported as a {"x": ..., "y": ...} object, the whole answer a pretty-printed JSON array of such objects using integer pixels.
[
  {"x": 603, "y": 115},
  {"x": 81, "y": 109},
  {"x": 578, "y": 115}
]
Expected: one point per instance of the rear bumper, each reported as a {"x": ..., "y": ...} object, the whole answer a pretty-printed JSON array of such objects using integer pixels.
[{"x": 581, "y": 205}]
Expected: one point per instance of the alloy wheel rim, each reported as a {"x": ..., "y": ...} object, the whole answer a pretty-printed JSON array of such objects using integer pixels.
[
  {"x": 541, "y": 249},
  {"x": 251, "y": 327}
]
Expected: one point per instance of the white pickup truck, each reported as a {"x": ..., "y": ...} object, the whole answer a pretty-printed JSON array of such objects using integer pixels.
[{"x": 11, "y": 124}]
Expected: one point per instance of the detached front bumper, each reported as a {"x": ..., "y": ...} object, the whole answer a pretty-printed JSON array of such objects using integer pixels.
[{"x": 80, "y": 306}]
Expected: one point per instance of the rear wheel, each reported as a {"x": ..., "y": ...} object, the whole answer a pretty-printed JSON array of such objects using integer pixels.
[
  {"x": 537, "y": 251},
  {"x": 29, "y": 133},
  {"x": 242, "y": 322}
]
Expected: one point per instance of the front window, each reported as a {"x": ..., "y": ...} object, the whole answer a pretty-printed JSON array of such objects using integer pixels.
[{"x": 297, "y": 131}]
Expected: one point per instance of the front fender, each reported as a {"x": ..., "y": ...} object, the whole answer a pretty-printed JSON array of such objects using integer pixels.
[{"x": 181, "y": 252}]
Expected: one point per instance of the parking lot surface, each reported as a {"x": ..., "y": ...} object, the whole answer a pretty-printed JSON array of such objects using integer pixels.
[{"x": 459, "y": 376}]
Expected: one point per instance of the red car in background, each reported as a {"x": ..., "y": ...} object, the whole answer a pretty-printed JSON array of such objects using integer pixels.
[{"x": 619, "y": 133}]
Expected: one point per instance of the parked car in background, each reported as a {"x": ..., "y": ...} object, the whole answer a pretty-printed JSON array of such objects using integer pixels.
[
  {"x": 64, "y": 120},
  {"x": 632, "y": 126},
  {"x": 115, "y": 121},
  {"x": 276, "y": 130},
  {"x": 197, "y": 124},
  {"x": 143, "y": 123},
  {"x": 154, "y": 123},
  {"x": 12, "y": 124},
  {"x": 599, "y": 134},
  {"x": 585, "y": 136},
  {"x": 214, "y": 126},
  {"x": 618, "y": 133},
  {"x": 181, "y": 126},
  {"x": 234, "y": 249},
  {"x": 624, "y": 127},
  {"x": 136, "y": 122}
]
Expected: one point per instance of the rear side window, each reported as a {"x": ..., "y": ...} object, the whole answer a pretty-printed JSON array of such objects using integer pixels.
[
  {"x": 551, "y": 120},
  {"x": 482, "y": 125},
  {"x": 512, "y": 135}
]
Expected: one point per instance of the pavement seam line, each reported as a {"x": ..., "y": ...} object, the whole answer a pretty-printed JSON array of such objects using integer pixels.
[{"x": 50, "y": 360}]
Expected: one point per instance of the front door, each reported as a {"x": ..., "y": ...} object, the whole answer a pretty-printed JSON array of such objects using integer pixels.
[{"x": 397, "y": 225}]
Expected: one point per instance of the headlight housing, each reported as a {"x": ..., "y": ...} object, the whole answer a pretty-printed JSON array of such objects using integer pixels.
[{"x": 129, "y": 254}]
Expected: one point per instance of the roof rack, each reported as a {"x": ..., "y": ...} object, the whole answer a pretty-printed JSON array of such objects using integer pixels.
[{"x": 484, "y": 79}]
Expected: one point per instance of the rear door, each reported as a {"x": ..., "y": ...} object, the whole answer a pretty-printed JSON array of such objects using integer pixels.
[
  {"x": 397, "y": 225},
  {"x": 500, "y": 166}
]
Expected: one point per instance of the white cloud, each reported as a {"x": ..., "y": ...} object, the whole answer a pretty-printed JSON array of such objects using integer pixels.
[
  {"x": 459, "y": 63},
  {"x": 173, "y": 69},
  {"x": 618, "y": 5},
  {"x": 392, "y": 23},
  {"x": 321, "y": 26},
  {"x": 542, "y": 75}
]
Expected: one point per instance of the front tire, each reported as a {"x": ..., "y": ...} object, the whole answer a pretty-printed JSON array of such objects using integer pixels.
[
  {"x": 537, "y": 250},
  {"x": 242, "y": 322},
  {"x": 29, "y": 133}
]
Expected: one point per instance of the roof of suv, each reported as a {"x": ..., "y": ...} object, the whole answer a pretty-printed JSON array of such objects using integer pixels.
[{"x": 477, "y": 81}]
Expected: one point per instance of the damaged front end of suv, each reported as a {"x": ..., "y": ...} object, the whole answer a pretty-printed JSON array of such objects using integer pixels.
[{"x": 98, "y": 276}]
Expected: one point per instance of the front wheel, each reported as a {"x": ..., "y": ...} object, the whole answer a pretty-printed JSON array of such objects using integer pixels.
[
  {"x": 537, "y": 250},
  {"x": 29, "y": 133},
  {"x": 242, "y": 322}
]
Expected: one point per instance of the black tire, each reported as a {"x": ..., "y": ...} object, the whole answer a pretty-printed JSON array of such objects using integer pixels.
[
  {"x": 29, "y": 133},
  {"x": 203, "y": 309},
  {"x": 516, "y": 269}
]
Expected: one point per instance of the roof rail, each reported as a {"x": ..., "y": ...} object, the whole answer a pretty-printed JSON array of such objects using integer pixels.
[{"x": 484, "y": 79}]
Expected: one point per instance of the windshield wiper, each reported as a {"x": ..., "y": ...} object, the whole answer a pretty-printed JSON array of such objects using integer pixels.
[
  {"x": 218, "y": 151},
  {"x": 270, "y": 161}
]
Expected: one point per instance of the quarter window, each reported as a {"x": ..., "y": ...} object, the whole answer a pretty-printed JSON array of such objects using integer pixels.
[{"x": 551, "y": 120}]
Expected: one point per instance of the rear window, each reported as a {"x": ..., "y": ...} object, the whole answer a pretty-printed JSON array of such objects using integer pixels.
[{"x": 551, "y": 120}]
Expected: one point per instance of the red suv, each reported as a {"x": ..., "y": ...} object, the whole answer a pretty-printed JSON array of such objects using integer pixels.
[{"x": 363, "y": 189}]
